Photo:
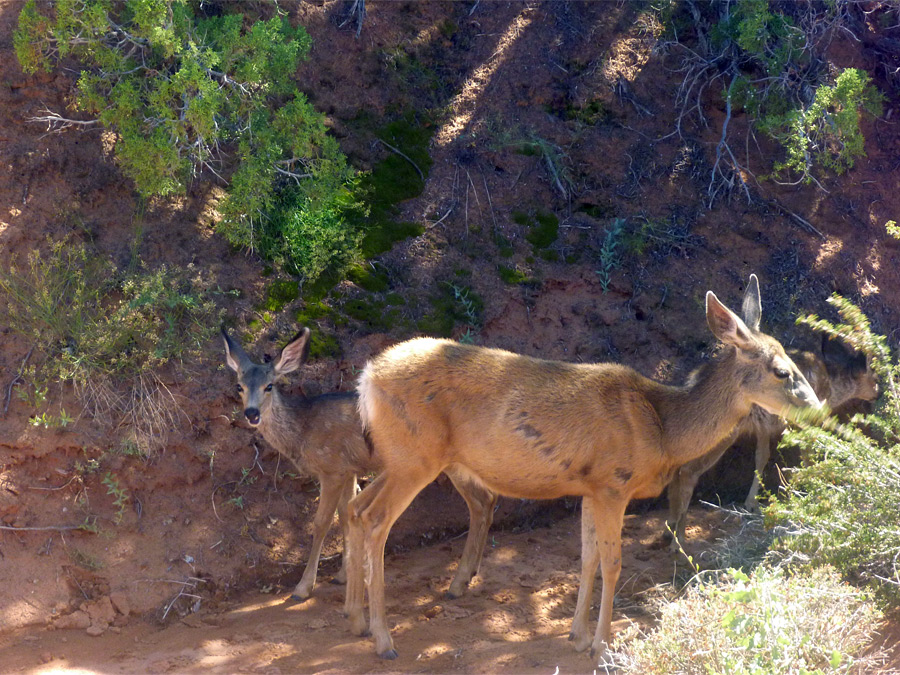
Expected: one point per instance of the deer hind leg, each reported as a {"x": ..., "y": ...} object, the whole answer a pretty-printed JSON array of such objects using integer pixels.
[
  {"x": 348, "y": 492},
  {"x": 608, "y": 519},
  {"x": 481, "y": 502},
  {"x": 372, "y": 514},
  {"x": 330, "y": 493},
  {"x": 763, "y": 452},
  {"x": 590, "y": 559}
]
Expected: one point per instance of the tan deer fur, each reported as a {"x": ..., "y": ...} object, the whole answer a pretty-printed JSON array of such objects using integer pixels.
[
  {"x": 322, "y": 436},
  {"x": 836, "y": 374},
  {"x": 536, "y": 429}
]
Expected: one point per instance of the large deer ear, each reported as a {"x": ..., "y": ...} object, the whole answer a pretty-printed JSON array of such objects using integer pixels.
[
  {"x": 235, "y": 356},
  {"x": 839, "y": 357},
  {"x": 726, "y": 325},
  {"x": 751, "y": 308},
  {"x": 294, "y": 353}
]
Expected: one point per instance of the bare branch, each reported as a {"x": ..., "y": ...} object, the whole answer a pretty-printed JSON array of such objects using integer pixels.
[{"x": 57, "y": 123}]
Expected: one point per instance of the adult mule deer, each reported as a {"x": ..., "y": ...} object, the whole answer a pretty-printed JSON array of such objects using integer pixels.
[
  {"x": 323, "y": 436},
  {"x": 837, "y": 375},
  {"x": 536, "y": 429}
]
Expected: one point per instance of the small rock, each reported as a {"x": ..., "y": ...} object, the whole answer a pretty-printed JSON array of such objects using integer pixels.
[
  {"x": 317, "y": 624},
  {"x": 432, "y": 612},
  {"x": 120, "y": 601},
  {"x": 46, "y": 657},
  {"x": 97, "y": 629},
  {"x": 79, "y": 619},
  {"x": 101, "y": 611}
]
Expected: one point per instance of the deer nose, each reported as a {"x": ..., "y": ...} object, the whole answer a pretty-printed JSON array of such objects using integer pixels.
[{"x": 252, "y": 415}]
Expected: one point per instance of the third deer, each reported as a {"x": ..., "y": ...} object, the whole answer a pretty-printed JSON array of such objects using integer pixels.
[{"x": 838, "y": 376}]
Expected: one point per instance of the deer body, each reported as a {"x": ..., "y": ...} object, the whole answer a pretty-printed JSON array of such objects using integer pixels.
[
  {"x": 322, "y": 436},
  {"x": 526, "y": 427},
  {"x": 836, "y": 374}
]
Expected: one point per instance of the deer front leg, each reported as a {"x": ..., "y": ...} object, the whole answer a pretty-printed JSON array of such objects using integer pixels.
[
  {"x": 763, "y": 452},
  {"x": 682, "y": 487},
  {"x": 330, "y": 492}
]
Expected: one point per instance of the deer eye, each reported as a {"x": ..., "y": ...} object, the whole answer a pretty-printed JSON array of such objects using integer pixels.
[
  {"x": 240, "y": 389},
  {"x": 268, "y": 387},
  {"x": 782, "y": 373}
]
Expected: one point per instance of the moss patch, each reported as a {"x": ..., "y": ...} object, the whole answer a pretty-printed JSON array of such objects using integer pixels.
[
  {"x": 393, "y": 180},
  {"x": 374, "y": 281},
  {"x": 280, "y": 294},
  {"x": 544, "y": 230}
]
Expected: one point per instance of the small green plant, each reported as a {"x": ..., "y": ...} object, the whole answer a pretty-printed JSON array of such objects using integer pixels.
[
  {"x": 513, "y": 275},
  {"x": 610, "y": 257},
  {"x": 237, "y": 502},
  {"x": 471, "y": 305},
  {"x": 826, "y": 132},
  {"x": 770, "y": 60},
  {"x": 892, "y": 229},
  {"x": 49, "y": 421},
  {"x": 118, "y": 493},
  {"x": 766, "y": 623}
]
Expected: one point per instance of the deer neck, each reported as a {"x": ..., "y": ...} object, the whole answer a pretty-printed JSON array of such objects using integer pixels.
[
  {"x": 696, "y": 417},
  {"x": 280, "y": 425}
]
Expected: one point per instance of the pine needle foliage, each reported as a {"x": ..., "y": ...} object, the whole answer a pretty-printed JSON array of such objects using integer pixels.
[{"x": 191, "y": 96}]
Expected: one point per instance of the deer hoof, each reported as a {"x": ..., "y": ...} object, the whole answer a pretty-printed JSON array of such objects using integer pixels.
[{"x": 389, "y": 655}]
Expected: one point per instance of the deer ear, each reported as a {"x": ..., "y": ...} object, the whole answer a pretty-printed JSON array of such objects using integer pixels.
[
  {"x": 294, "y": 353},
  {"x": 235, "y": 356},
  {"x": 751, "y": 308},
  {"x": 838, "y": 356},
  {"x": 726, "y": 325}
]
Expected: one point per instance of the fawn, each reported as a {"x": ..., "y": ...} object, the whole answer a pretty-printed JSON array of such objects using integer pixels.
[
  {"x": 837, "y": 375},
  {"x": 536, "y": 429},
  {"x": 323, "y": 436}
]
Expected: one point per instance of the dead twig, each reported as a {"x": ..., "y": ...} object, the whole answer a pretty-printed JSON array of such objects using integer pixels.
[
  {"x": 49, "y": 528},
  {"x": 404, "y": 156},
  {"x": 16, "y": 380},
  {"x": 805, "y": 224}
]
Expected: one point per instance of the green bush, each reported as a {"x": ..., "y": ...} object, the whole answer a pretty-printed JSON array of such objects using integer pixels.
[
  {"x": 769, "y": 60},
  {"x": 107, "y": 332},
  {"x": 767, "y": 623},
  {"x": 184, "y": 93},
  {"x": 826, "y": 132},
  {"x": 839, "y": 507}
]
